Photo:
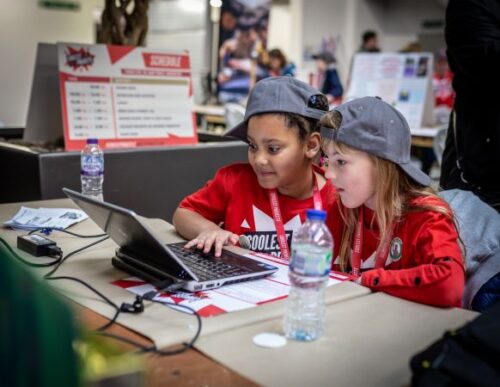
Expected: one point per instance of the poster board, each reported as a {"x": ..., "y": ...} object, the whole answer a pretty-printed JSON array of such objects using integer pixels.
[
  {"x": 126, "y": 96},
  {"x": 402, "y": 80},
  {"x": 242, "y": 44}
]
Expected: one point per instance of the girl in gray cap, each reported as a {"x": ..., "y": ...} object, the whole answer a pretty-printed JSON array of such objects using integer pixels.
[
  {"x": 390, "y": 228},
  {"x": 261, "y": 203}
]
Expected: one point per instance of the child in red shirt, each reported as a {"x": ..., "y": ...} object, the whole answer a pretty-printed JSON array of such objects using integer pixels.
[
  {"x": 261, "y": 203},
  {"x": 390, "y": 229}
]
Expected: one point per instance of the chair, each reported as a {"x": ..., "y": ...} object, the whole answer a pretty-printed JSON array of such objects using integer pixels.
[
  {"x": 438, "y": 144},
  {"x": 479, "y": 229}
]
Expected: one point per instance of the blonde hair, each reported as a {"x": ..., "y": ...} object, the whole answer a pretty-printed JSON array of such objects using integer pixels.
[{"x": 393, "y": 196}]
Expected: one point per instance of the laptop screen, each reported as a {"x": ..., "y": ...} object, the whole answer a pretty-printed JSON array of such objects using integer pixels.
[{"x": 128, "y": 232}]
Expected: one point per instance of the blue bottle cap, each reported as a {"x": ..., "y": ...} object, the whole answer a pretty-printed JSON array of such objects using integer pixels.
[
  {"x": 316, "y": 214},
  {"x": 92, "y": 140}
]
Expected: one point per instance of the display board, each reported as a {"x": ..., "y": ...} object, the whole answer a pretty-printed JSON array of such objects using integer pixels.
[
  {"x": 242, "y": 54},
  {"x": 125, "y": 96},
  {"x": 403, "y": 80}
]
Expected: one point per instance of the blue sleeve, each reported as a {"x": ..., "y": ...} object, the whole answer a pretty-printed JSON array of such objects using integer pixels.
[
  {"x": 332, "y": 84},
  {"x": 289, "y": 70}
]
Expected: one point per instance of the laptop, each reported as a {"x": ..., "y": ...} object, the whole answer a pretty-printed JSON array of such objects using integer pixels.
[{"x": 166, "y": 266}]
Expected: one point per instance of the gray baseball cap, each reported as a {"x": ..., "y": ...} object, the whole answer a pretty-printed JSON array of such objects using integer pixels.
[
  {"x": 373, "y": 126},
  {"x": 325, "y": 56},
  {"x": 281, "y": 95}
]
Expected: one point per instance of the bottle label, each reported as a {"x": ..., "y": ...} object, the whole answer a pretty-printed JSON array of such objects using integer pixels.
[
  {"x": 92, "y": 166},
  {"x": 311, "y": 261}
]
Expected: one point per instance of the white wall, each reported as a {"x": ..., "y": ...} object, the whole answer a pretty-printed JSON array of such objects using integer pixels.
[
  {"x": 22, "y": 25},
  {"x": 296, "y": 26},
  {"x": 323, "y": 18},
  {"x": 398, "y": 22},
  {"x": 280, "y": 30}
]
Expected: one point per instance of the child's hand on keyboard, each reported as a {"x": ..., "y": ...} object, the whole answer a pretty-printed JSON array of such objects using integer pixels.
[{"x": 206, "y": 239}]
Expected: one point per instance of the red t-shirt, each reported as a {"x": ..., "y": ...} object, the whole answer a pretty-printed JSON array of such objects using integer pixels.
[
  {"x": 424, "y": 262},
  {"x": 235, "y": 198}
]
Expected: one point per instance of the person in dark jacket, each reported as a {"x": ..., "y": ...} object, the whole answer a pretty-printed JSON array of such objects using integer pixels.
[
  {"x": 471, "y": 158},
  {"x": 328, "y": 78}
]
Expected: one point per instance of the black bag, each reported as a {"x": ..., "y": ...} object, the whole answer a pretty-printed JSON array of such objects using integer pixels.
[{"x": 469, "y": 356}]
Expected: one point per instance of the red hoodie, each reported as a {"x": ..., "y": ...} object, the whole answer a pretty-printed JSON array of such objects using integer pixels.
[{"x": 424, "y": 263}]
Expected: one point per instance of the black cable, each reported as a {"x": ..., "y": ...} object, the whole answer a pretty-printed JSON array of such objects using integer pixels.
[
  {"x": 148, "y": 296},
  {"x": 59, "y": 262},
  {"x": 153, "y": 349},
  {"x": 57, "y": 257},
  {"x": 46, "y": 276},
  {"x": 188, "y": 345},
  {"x": 113, "y": 319},
  {"x": 48, "y": 230},
  {"x": 32, "y": 264}
]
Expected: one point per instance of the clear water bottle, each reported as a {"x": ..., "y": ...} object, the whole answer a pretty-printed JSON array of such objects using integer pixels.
[
  {"x": 312, "y": 248},
  {"x": 92, "y": 169}
]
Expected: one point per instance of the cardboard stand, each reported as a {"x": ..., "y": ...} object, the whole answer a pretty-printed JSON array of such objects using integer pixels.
[
  {"x": 44, "y": 122},
  {"x": 123, "y": 95}
]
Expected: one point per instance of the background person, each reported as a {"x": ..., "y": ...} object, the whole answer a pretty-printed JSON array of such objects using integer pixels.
[
  {"x": 240, "y": 60},
  {"x": 444, "y": 96},
  {"x": 327, "y": 77},
  {"x": 280, "y": 128},
  {"x": 472, "y": 153},
  {"x": 369, "y": 42},
  {"x": 278, "y": 65},
  {"x": 228, "y": 24}
]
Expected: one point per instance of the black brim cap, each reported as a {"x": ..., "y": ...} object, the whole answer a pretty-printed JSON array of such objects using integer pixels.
[
  {"x": 375, "y": 127},
  {"x": 325, "y": 56},
  {"x": 281, "y": 95}
]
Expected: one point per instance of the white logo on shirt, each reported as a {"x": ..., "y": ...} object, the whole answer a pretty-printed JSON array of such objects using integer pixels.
[
  {"x": 264, "y": 237},
  {"x": 264, "y": 222}
]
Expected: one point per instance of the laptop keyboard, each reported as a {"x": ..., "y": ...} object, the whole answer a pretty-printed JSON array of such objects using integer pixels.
[{"x": 206, "y": 266}]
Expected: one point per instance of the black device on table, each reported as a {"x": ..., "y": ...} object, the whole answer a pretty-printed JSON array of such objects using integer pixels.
[{"x": 142, "y": 254}]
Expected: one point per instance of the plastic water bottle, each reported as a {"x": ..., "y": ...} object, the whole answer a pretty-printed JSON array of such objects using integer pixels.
[
  {"x": 312, "y": 248},
  {"x": 92, "y": 169}
]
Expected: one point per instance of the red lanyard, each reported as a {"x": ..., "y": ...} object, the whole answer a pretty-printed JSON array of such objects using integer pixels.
[
  {"x": 278, "y": 220},
  {"x": 358, "y": 245}
]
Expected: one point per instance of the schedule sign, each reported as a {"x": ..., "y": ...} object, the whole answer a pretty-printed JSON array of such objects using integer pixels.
[{"x": 125, "y": 96}]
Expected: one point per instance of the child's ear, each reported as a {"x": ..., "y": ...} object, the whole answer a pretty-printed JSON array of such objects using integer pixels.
[{"x": 313, "y": 145}]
